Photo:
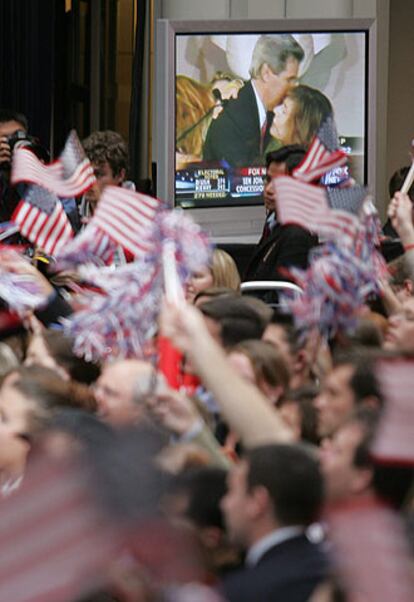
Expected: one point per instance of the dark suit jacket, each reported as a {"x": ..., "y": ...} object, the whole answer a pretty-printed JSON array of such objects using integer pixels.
[
  {"x": 288, "y": 572},
  {"x": 287, "y": 246},
  {"x": 235, "y": 135}
]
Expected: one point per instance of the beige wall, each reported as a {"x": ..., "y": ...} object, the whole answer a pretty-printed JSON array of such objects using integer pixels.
[{"x": 401, "y": 84}]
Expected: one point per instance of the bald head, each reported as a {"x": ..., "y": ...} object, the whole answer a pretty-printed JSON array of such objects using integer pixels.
[{"x": 120, "y": 383}]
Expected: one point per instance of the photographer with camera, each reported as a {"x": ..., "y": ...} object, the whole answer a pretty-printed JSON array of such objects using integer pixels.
[
  {"x": 14, "y": 135},
  {"x": 13, "y": 129}
]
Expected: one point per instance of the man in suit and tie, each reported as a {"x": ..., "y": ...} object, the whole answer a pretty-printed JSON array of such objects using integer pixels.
[
  {"x": 240, "y": 133},
  {"x": 280, "y": 247},
  {"x": 273, "y": 495}
]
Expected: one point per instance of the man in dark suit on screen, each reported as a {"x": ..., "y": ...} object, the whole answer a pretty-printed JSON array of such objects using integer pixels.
[
  {"x": 274, "y": 493},
  {"x": 240, "y": 133}
]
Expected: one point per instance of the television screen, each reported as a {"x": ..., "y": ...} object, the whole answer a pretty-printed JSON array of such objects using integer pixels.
[{"x": 239, "y": 95}]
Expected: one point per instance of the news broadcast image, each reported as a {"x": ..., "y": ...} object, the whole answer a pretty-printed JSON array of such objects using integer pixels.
[{"x": 223, "y": 128}]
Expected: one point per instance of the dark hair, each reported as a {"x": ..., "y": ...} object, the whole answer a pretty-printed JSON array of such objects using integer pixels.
[
  {"x": 237, "y": 317},
  {"x": 311, "y": 109},
  {"x": 294, "y": 336},
  {"x": 363, "y": 381},
  {"x": 60, "y": 348},
  {"x": 48, "y": 392},
  {"x": 304, "y": 397},
  {"x": 292, "y": 477},
  {"x": 397, "y": 180},
  {"x": 107, "y": 146},
  {"x": 212, "y": 292},
  {"x": 11, "y": 115},
  {"x": 392, "y": 483},
  {"x": 267, "y": 363},
  {"x": 291, "y": 154},
  {"x": 205, "y": 487}
]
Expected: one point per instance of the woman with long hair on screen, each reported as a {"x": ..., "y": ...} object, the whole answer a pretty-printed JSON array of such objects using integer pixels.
[
  {"x": 299, "y": 117},
  {"x": 196, "y": 105}
]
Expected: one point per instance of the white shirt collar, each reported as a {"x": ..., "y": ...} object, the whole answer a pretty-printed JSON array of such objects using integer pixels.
[
  {"x": 259, "y": 549},
  {"x": 260, "y": 106}
]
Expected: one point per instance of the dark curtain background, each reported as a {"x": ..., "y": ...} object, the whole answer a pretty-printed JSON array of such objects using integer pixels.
[
  {"x": 31, "y": 51},
  {"x": 138, "y": 118}
]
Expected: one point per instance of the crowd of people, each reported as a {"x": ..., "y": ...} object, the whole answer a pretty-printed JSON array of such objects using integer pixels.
[{"x": 245, "y": 457}]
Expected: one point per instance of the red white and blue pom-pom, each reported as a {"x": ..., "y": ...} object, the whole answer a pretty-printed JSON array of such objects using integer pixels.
[{"x": 119, "y": 322}]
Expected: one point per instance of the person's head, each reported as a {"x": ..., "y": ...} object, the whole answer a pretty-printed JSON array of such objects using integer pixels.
[
  {"x": 274, "y": 67},
  {"x": 350, "y": 470},
  {"x": 273, "y": 486},
  {"x": 222, "y": 272},
  {"x": 297, "y": 410},
  {"x": 261, "y": 364},
  {"x": 350, "y": 383},
  {"x": 400, "y": 332},
  {"x": 52, "y": 349},
  {"x": 281, "y": 332},
  {"x": 108, "y": 153},
  {"x": 196, "y": 493},
  {"x": 401, "y": 280},
  {"x": 231, "y": 320},
  {"x": 298, "y": 119},
  {"x": 116, "y": 390},
  {"x": 212, "y": 293},
  {"x": 12, "y": 121},
  {"x": 30, "y": 396},
  {"x": 345, "y": 460},
  {"x": 281, "y": 162}
]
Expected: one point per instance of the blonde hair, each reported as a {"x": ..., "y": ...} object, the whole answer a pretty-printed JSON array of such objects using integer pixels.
[
  {"x": 193, "y": 101},
  {"x": 224, "y": 271}
]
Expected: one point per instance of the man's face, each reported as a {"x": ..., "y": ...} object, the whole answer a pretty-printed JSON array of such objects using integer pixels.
[
  {"x": 277, "y": 85},
  {"x": 276, "y": 334},
  {"x": 335, "y": 401},
  {"x": 235, "y": 505},
  {"x": 104, "y": 177},
  {"x": 400, "y": 333},
  {"x": 116, "y": 388},
  {"x": 269, "y": 196},
  {"x": 342, "y": 477}
]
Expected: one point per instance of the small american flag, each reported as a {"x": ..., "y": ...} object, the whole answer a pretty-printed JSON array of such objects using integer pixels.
[
  {"x": 71, "y": 175},
  {"x": 309, "y": 206},
  {"x": 54, "y": 545},
  {"x": 394, "y": 441},
  {"x": 298, "y": 202},
  {"x": 323, "y": 154},
  {"x": 347, "y": 199},
  {"x": 126, "y": 216},
  {"x": 337, "y": 225},
  {"x": 42, "y": 220},
  {"x": 89, "y": 246}
]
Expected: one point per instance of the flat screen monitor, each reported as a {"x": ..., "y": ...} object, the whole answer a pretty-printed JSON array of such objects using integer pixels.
[{"x": 229, "y": 92}]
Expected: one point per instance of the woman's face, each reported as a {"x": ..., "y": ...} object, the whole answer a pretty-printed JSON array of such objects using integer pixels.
[
  {"x": 198, "y": 282},
  {"x": 400, "y": 333},
  {"x": 283, "y": 121}
]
